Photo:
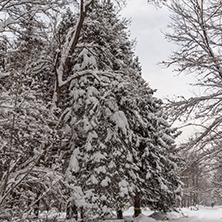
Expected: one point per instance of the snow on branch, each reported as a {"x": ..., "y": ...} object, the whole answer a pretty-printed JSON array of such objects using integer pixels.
[
  {"x": 6, "y": 5},
  {"x": 95, "y": 74},
  {"x": 70, "y": 45},
  {"x": 27, "y": 212},
  {"x": 7, "y": 22},
  {"x": 15, "y": 185}
]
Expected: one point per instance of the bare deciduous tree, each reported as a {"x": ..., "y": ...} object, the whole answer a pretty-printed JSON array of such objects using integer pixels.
[{"x": 197, "y": 30}]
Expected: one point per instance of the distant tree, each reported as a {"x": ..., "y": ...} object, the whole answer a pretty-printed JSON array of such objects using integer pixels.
[
  {"x": 157, "y": 2},
  {"x": 216, "y": 182},
  {"x": 191, "y": 173}
]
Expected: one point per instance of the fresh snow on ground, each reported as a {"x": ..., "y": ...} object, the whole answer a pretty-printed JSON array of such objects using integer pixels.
[{"x": 204, "y": 214}]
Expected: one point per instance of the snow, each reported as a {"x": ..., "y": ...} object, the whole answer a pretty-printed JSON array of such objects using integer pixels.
[
  {"x": 88, "y": 146},
  {"x": 123, "y": 183},
  {"x": 123, "y": 191},
  {"x": 164, "y": 187},
  {"x": 97, "y": 157},
  {"x": 7, "y": 22},
  {"x": 101, "y": 169},
  {"x": 92, "y": 91},
  {"x": 148, "y": 175},
  {"x": 88, "y": 60},
  {"x": 74, "y": 164},
  {"x": 103, "y": 197},
  {"x": 143, "y": 218},
  {"x": 121, "y": 122},
  {"x": 92, "y": 135},
  {"x": 204, "y": 214},
  {"x": 129, "y": 157},
  {"x": 105, "y": 182},
  {"x": 93, "y": 179}
]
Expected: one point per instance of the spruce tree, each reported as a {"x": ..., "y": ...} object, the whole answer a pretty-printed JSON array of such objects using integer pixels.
[{"x": 121, "y": 143}]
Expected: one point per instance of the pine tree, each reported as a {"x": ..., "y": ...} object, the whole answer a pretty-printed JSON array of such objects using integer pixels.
[
  {"x": 120, "y": 140},
  {"x": 99, "y": 131}
]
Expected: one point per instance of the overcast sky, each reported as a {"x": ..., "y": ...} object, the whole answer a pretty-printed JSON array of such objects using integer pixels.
[{"x": 147, "y": 26}]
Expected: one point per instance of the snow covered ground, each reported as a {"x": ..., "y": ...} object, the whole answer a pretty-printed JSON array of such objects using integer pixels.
[{"x": 204, "y": 214}]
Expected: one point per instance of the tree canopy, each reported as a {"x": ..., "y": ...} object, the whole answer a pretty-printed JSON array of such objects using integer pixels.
[{"x": 81, "y": 129}]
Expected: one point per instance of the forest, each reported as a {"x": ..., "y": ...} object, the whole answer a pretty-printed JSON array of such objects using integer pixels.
[{"x": 81, "y": 131}]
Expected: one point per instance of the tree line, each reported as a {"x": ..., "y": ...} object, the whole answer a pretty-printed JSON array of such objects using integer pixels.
[
  {"x": 80, "y": 129},
  {"x": 82, "y": 132}
]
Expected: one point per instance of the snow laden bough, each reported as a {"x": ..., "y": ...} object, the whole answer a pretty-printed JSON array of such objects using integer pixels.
[{"x": 122, "y": 145}]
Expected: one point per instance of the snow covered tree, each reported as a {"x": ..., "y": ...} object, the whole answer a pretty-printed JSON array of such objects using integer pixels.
[
  {"x": 120, "y": 141},
  {"x": 28, "y": 136},
  {"x": 15, "y": 12},
  {"x": 197, "y": 31},
  {"x": 117, "y": 152},
  {"x": 29, "y": 133},
  {"x": 27, "y": 28},
  {"x": 86, "y": 90}
]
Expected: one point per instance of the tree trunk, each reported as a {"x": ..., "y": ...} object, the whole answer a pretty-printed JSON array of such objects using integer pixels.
[
  {"x": 137, "y": 209},
  {"x": 82, "y": 214},
  {"x": 119, "y": 214},
  {"x": 71, "y": 211},
  {"x": 37, "y": 205}
]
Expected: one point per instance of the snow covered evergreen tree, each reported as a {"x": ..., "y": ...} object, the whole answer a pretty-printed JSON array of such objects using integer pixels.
[{"x": 121, "y": 143}]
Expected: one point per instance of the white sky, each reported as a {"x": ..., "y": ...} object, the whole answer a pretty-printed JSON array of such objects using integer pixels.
[{"x": 147, "y": 26}]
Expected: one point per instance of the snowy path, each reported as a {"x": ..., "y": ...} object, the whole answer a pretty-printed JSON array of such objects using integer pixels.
[{"x": 204, "y": 214}]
